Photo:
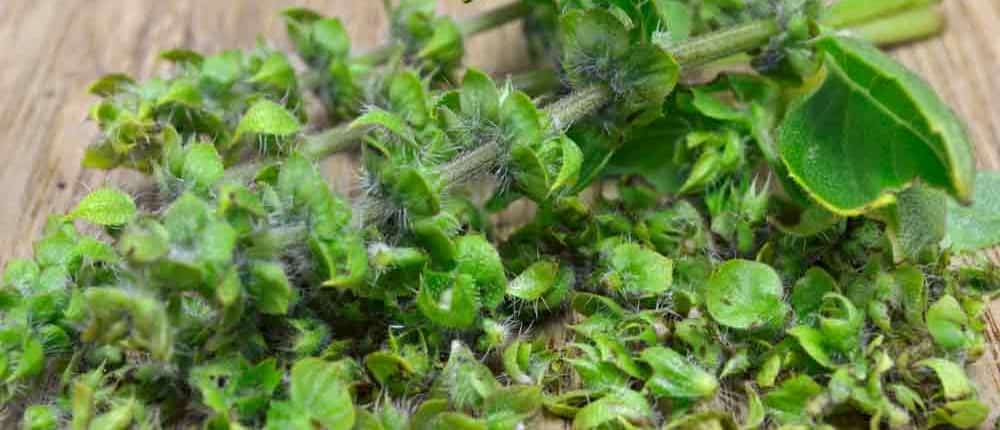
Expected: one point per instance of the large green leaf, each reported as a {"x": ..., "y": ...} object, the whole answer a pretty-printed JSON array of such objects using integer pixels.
[{"x": 869, "y": 130}]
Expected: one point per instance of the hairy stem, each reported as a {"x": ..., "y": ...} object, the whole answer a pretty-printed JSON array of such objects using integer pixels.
[
  {"x": 724, "y": 43},
  {"x": 329, "y": 142},
  {"x": 494, "y": 18}
]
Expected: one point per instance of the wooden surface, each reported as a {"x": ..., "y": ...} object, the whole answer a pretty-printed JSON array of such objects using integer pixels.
[{"x": 52, "y": 49}]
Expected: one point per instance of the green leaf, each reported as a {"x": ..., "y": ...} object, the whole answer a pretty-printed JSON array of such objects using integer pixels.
[
  {"x": 975, "y": 227},
  {"x": 675, "y": 376},
  {"x": 869, "y": 130},
  {"x": 478, "y": 259},
  {"x": 387, "y": 120},
  {"x": 544, "y": 282},
  {"x": 807, "y": 295},
  {"x": 144, "y": 241},
  {"x": 109, "y": 85},
  {"x": 105, "y": 206},
  {"x": 946, "y": 321},
  {"x": 788, "y": 403},
  {"x": 634, "y": 270},
  {"x": 570, "y": 162},
  {"x": 954, "y": 383},
  {"x": 270, "y": 287},
  {"x": 40, "y": 417},
  {"x": 964, "y": 414},
  {"x": 330, "y": 36},
  {"x": 812, "y": 341},
  {"x": 480, "y": 97},
  {"x": 677, "y": 18},
  {"x": 202, "y": 165},
  {"x": 317, "y": 398},
  {"x": 622, "y": 407},
  {"x": 916, "y": 221},
  {"x": 268, "y": 118},
  {"x": 449, "y": 301},
  {"x": 745, "y": 294}
]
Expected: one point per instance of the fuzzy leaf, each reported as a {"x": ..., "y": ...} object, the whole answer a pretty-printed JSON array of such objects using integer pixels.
[
  {"x": 478, "y": 259},
  {"x": 745, "y": 294},
  {"x": 105, "y": 206},
  {"x": 202, "y": 165},
  {"x": 448, "y": 301},
  {"x": 635, "y": 270},
  {"x": 271, "y": 288},
  {"x": 480, "y": 97},
  {"x": 268, "y": 118},
  {"x": 317, "y": 398},
  {"x": 917, "y": 220}
]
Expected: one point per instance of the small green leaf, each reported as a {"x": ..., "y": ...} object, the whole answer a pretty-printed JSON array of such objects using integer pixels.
[
  {"x": 788, "y": 403},
  {"x": 746, "y": 294},
  {"x": 570, "y": 162},
  {"x": 317, "y": 397},
  {"x": 807, "y": 295},
  {"x": 946, "y": 321},
  {"x": 268, "y": 118},
  {"x": 869, "y": 130},
  {"x": 954, "y": 383},
  {"x": 963, "y": 414},
  {"x": 479, "y": 96},
  {"x": 387, "y": 120},
  {"x": 448, "y": 301},
  {"x": 110, "y": 85},
  {"x": 676, "y": 377},
  {"x": 40, "y": 417},
  {"x": 271, "y": 288},
  {"x": 409, "y": 98},
  {"x": 545, "y": 282},
  {"x": 105, "y": 206},
  {"x": 202, "y": 165},
  {"x": 812, "y": 341},
  {"x": 917, "y": 220},
  {"x": 623, "y": 407},
  {"x": 477, "y": 258},
  {"x": 635, "y": 270}
]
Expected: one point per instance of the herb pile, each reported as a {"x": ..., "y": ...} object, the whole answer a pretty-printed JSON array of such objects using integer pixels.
[{"x": 792, "y": 244}]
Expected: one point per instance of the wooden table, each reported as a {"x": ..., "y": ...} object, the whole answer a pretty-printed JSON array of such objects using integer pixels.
[{"x": 51, "y": 49}]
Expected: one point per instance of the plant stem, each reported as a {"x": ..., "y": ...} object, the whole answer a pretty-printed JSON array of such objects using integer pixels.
[
  {"x": 584, "y": 102},
  {"x": 724, "y": 43},
  {"x": 907, "y": 26},
  {"x": 577, "y": 105},
  {"x": 494, "y": 18},
  {"x": 331, "y": 141},
  {"x": 483, "y": 22}
]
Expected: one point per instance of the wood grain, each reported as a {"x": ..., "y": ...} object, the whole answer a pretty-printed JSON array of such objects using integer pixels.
[{"x": 53, "y": 48}]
